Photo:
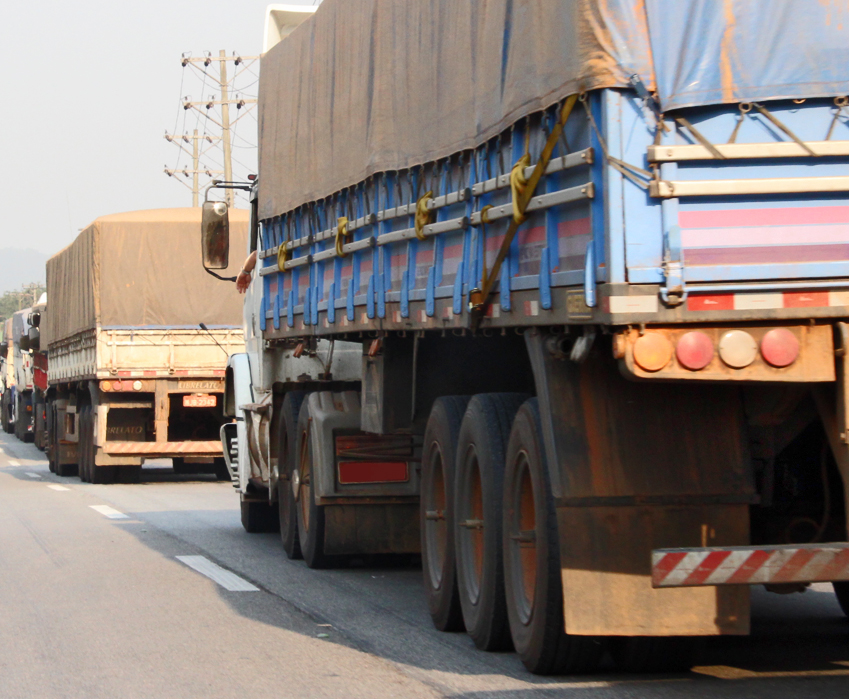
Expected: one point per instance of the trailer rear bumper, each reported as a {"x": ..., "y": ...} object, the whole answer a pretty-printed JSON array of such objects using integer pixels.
[
  {"x": 750, "y": 565},
  {"x": 164, "y": 449}
]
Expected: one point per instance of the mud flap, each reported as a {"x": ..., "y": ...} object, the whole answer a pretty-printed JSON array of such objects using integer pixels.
[{"x": 635, "y": 464}]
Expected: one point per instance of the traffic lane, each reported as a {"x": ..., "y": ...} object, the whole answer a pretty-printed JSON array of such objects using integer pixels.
[
  {"x": 98, "y": 607},
  {"x": 381, "y": 611}
]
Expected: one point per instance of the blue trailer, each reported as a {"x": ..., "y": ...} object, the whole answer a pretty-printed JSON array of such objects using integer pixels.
[{"x": 574, "y": 313}]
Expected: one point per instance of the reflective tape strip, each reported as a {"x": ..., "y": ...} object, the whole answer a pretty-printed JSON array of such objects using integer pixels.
[
  {"x": 750, "y": 565},
  {"x": 205, "y": 448},
  {"x": 771, "y": 300}
]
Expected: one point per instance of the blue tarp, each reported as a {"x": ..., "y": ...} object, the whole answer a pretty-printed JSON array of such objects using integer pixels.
[{"x": 712, "y": 51}]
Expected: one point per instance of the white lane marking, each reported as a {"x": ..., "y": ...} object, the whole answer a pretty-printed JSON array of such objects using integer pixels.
[
  {"x": 227, "y": 580},
  {"x": 33, "y": 475},
  {"x": 54, "y": 486},
  {"x": 109, "y": 512},
  {"x": 12, "y": 462}
]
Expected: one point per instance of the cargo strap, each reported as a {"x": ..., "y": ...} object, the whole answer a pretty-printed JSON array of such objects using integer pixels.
[
  {"x": 637, "y": 175},
  {"x": 523, "y": 192},
  {"x": 341, "y": 234},
  {"x": 423, "y": 215}
]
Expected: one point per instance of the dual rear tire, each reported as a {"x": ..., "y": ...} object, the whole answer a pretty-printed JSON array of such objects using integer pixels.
[
  {"x": 86, "y": 451},
  {"x": 490, "y": 542}
]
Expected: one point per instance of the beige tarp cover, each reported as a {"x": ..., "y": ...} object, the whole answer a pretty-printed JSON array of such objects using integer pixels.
[
  {"x": 367, "y": 86},
  {"x": 142, "y": 268}
]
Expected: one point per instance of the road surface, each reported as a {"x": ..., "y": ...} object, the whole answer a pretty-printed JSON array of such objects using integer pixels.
[{"x": 155, "y": 591}]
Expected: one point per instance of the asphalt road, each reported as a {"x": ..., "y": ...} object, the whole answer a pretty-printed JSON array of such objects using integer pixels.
[{"x": 96, "y": 603}]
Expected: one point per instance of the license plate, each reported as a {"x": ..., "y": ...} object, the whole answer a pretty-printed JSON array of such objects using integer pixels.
[{"x": 200, "y": 401}]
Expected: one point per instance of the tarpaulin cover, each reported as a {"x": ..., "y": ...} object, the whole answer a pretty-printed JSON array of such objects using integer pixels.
[
  {"x": 368, "y": 86},
  {"x": 20, "y": 326},
  {"x": 142, "y": 269}
]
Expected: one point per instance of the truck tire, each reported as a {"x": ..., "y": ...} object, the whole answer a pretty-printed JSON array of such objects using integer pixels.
[
  {"x": 436, "y": 512},
  {"x": 82, "y": 444},
  {"x": 286, "y": 457},
  {"x": 310, "y": 515},
  {"x": 62, "y": 470},
  {"x": 39, "y": 426},
  {"x": 532, "y": 580},
  {"x": 841, "y": 591},
  {"x": 258, "y": 516},
  {"x": 50, "y": 437},
  {"x": 642, "y": 654},
  {"x": 8, "y": 423},
  {"x": 478, "y": 491},
  {"x": 99, "y": 475}
]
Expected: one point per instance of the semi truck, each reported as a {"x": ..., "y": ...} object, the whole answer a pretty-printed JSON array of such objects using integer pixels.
[
  {"x": 138, "y": 338},
  {"x": 22, "y": 361},
  {"x": 39, "y": 372},
  {"x": 7, "y": 376},
  {"x": 556, "y": 294}
]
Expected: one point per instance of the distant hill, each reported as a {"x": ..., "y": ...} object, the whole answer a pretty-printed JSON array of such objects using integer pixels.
[{"x": 20, "y": 266}]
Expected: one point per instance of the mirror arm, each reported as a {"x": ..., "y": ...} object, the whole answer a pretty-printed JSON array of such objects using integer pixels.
[
  {"x": 218, "y": 276},
  {"x": 221, "y": 184}
]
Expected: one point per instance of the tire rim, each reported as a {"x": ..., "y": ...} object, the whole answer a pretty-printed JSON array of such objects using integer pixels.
[
  {"x": 304, "y": 484},
  {"x": 471, "y": 526},
  {"x": 522, "y": 539},
  {"x": 436, "y": 526}
]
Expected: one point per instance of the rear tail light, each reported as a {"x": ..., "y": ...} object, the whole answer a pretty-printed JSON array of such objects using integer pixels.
[
  {"x": 780, "y": 347},
  {"x": 362, "y": 472},
  {"x": 738, "y": 349},
  {"x": 694, "y": 350},
  {"x": 652, "y": 352}
]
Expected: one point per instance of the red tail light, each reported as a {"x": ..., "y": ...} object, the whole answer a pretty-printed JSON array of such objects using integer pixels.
[
  {"x": 694, "y": 350},
  {"x": 780, "y": 347}
]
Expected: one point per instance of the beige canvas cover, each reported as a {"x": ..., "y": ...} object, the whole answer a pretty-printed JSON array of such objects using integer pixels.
[
  {"x": 142, "y": 268},
  {"x": 367, "y": 86}
]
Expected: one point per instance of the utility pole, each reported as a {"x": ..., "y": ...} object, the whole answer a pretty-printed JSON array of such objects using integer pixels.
[
  {"x": 225, "y": 128},
  {"x": 196, "y": 170},
  {"x": 225, "y": 85}
]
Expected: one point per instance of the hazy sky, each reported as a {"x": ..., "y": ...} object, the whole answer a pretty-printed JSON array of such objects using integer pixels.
[{"x": 91, "y": 86}]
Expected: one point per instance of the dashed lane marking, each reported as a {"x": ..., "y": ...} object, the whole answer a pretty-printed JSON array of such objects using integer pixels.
[
  {"x": 55, "y": 486},
  {"x": 228, "y": 580},
  {"x": 109, "y": 512},
  {"x": 33, "y": 475},
  {"x": 12, "y": 462}
]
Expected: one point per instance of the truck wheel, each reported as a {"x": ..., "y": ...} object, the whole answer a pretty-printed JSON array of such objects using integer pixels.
[
  {"x": 50, "y": 438},
  {"x": 258, "y": 516},
  {"x": 19, "y": 419},
  {"x": 82, "y": 455},
  {"x": 8, "y": 424},
  {"x": 310, "y": 515},
  {"x": 477, "y": 532},
  {"x": 841, "y": 590},
  {"x": 532, "y": 579},
  {"x": 100, "y": 475},
  {"x": 286, "y": 459},
  {"x": 437, "y": 512}
]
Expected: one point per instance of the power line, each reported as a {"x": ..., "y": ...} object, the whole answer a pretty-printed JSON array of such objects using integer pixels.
[{"x": 214, "y": 112}]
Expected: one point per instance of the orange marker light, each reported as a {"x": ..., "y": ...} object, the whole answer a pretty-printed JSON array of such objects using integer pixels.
[{"x": 652, "y": 352}]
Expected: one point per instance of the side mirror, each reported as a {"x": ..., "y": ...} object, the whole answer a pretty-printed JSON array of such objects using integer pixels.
[
  {"x": 34, "y": 319},
  {"x": 215, "y": 228}
]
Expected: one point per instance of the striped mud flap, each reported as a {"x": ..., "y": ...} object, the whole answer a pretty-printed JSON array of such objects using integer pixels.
[{"x": 750, "y": 565}]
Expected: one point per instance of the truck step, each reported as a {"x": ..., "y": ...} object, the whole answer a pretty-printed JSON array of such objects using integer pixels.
[{"x": 750, "y": 565}]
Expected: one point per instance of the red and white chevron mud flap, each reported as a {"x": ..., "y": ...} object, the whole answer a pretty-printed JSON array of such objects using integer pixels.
[{"x": 750, "y": 565}]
